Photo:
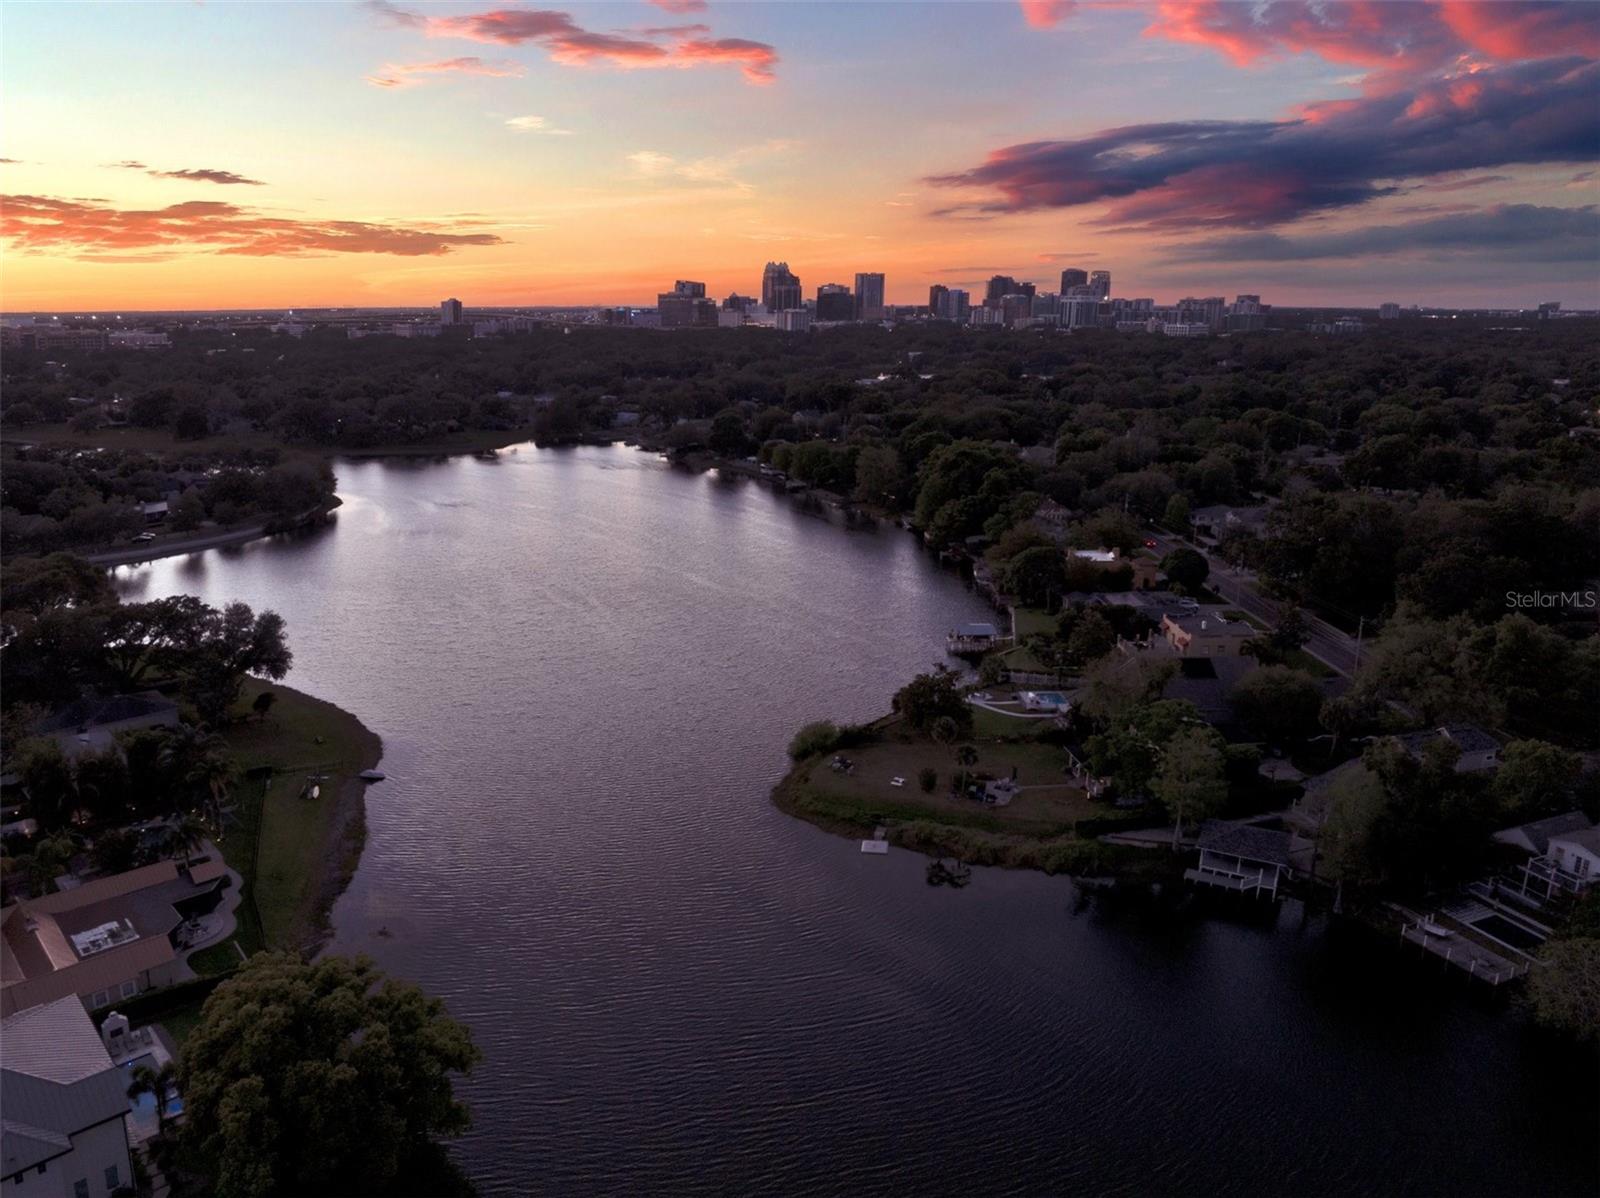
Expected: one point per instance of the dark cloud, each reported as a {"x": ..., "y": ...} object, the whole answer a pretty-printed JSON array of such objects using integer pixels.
[
  {"x": 199, "y": 174},
  {"x": 1524, "y": 232},
  {"x": 96, "y": 230},
  {"x": 1331, "y": 155}
]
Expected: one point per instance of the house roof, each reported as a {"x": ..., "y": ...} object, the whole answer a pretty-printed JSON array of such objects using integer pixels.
[
  {"x": 1245, "y": 841},
  {"x": 58, "y": 1080},
  {"x": 1469, "y": 738},
  {"x": 1208, "y": 620},
  {"x": 975, "y": 630},
  {"x": 1536, "y": 834},
  {"x": 88, "y": 713}
]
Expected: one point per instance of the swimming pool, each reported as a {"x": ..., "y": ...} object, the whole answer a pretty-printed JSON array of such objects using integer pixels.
[{"x": 142, "y": 1110}]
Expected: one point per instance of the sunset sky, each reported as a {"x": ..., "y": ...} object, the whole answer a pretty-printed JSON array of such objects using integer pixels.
[{"x": 258, "y": 155}]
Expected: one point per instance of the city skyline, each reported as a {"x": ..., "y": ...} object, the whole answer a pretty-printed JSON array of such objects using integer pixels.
[{"x": 1336, "y": 155}]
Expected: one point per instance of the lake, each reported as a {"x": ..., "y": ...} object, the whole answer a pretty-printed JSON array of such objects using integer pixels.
[{"x": 585, "y": 666}]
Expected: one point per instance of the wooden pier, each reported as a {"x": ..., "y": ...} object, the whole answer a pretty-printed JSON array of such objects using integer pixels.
[{"x": 1459, "y": 950}]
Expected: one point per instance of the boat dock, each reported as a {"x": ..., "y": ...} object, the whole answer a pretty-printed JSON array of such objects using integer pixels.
[{"x": 1445, "y": 938}]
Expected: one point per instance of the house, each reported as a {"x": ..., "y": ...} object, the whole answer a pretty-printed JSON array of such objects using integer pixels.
[
  {"x": 1208, "y": 683},
  {"x": 1241, "y": 858},
  {"x": 1535, "y": 837},
  {"x": 1221, "y": 518},
  {"x": 1100, "y": 557},
  {"x": 65, "y": 1130},
  {"x": 105, "y": 940},
  {"x": 92, "y": 725},
  {"x": 1479, "y": 750},
  {"x": 972, "y": 638},
  {"x": 1204, "y": 633},
  {"x": 1578, "y": 853}
]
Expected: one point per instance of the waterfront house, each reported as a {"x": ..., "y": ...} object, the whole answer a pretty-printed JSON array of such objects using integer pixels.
[
  {"x": 105, "y": 940},
  {"x": 65, "y": 1130},
  {"x": 1241, "y": 858},
  {"x": 1534, "y": 837},
  {"x": 1205, "y": 633},
  {"x": 92, "y": 725},
  {"x": 1478, "y": 750}
]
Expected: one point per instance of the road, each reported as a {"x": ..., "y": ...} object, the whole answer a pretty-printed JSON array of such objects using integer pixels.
[{"x": 1332, "y": 646}]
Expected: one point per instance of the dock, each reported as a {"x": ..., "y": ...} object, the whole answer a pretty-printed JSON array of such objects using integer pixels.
[{"x": 1460, "y": 950}]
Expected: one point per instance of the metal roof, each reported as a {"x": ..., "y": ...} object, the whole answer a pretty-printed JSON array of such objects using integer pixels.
[
  {"x": 1243, "y": 840},
  {"x": 58, "y": 1081}
]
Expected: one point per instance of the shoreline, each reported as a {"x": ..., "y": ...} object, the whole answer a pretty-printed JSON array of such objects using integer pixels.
[
  {"x": 313, "y": 853},
  {"x": 217, "y": 540}
]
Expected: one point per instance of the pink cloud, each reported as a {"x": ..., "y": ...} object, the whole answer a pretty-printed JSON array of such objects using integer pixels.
[
  {"x": 1046, "y": 14},
  {"x": 96, "y": 230},
  {"x": 571, "y": 45},
  {"x": 680, "y": 6}
]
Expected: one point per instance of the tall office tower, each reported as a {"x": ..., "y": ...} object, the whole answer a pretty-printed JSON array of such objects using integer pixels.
[
  {"x": 869, "y": 296},
  {"x": 1079, "y": 311},
  {"x": 936, "y": 300},
  {"x": 738, "y": 303},
  {"x": 1388, "y": 311},
  {"x": 776, "y": 275},
  {"x": 1015, "y": 307},
  {"x": 450, "y": 312},
  {"x": 835, "y": 303},
  {"x": 1073, "y": 277},
  {"x": 685, "y": 287},
  {"x": 1100, "y": 284},
  {"x": 957, "y": 305},
  {"x": 999, "y": 287}
]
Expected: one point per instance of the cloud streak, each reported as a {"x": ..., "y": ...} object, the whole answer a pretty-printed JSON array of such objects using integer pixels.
[
  {"x": 1522, "y": 231},
  {"x": 101, "y": 232},
  {"x": 569, "y": 44},
  {"x": 202, "y": 174},
  {"x": 410, "y": 74}
]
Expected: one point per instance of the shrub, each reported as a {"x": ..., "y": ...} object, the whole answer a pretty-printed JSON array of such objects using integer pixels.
[{"x": 821, "y": 736}]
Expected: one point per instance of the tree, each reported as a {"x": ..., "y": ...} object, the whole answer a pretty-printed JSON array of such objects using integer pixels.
[
  {"x": 727, "y": 438},
  {"x": 966, "y": 758},
  {"x": 233, "y": 643},
  {"x": 880, "y": 478},
  {"x": 1187, "y": 568},
  {"x": 1535, "y": 779},
  {"x": 1190, "y": 783},
  {"x": 1278, "y": 704},
  {"x": 928, "y": 697},
  {"x": 262, "y": 704},
  {"x": 1347, "y": 849},
  {"x": 1115, "y": 685},
  {"x": 187, "y": 836},
  {"x": 819, "y": 736},
  {"x": 46, "y": 777},
  {"x": 187, "y": 512},
  {"x": 155, "y": 637},
  {"x": 156, "y": 1082},
  {"x": 320, "y": 1078},
  {"x": 1092, "y": 637},
  {"x": 1565, "y": 990},
  {"x": 1036, "y": 576},
  {"x": 1176, "y": 516}
]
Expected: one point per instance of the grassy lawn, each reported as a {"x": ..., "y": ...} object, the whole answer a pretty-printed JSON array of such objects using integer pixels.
[
  {"x": 990, "y": 725},
  {"x": 1047, "y": 804},
  {"x": 1031, "y": 620},
  {"x": 219, "y": 958},
  {"x": 287, "y": 848}
]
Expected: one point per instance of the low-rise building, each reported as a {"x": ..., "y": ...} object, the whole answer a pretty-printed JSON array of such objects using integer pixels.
[
  {"x": 65, "y": 1131},
  {"x": 1205, "y": 633},
  {"x": 93, "y": 725},
  {"x": 1241, "y": 858},
  {"x": 105, "y": 940},
  {"x": 1478, "y": 750}
]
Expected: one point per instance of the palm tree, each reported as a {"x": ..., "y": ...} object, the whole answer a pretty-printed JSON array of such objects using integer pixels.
[
  {"x": 215, "y": 771},
  {"x": 966, "y": 758},
  {"x": 157, "y": 1082},
  {"x": 187, "y": 835}
]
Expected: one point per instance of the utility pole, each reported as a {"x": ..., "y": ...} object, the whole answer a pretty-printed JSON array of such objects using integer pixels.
[{"x": 1361, "y": 624}]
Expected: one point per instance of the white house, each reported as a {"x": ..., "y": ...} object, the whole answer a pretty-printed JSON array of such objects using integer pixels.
[
  {"x": 65, "y": 1133},
  {"x": 1578, "y": 853}
]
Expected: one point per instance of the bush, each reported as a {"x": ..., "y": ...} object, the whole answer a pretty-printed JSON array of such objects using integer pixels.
[
  {"x": 821, "y": 736},
  {"x": 928, "y": 778}
]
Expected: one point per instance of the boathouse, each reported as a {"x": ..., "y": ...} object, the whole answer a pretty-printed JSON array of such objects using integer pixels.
[{"x": 1241, "y": 858}]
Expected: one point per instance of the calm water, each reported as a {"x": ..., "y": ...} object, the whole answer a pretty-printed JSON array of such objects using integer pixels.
[{"x": 585, "y": 667}]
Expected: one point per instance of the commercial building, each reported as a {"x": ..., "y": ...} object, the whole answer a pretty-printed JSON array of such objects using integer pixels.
[
  {"x": 1078, "y": 311},
  {"x": 835, "y": 304},
  {"x": 65, "y": 1132},
  {"x": 450, "y": 312},
  {"x": 1100, "y": 284},
  {"x": 1388, "y": 311},
  {"x": 686, "y": 307},
  {"x": 1073, "y": 277},
  {"x": 780, "y": 287},
  {"x": 793, "y": 320},
  {"x": 869, "y": 296}
]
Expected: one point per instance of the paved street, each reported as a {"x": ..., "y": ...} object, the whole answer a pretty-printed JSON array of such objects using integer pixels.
[{"x": 1333, "y": 647}]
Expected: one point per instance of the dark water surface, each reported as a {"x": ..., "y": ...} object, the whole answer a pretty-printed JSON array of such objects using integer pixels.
[{"x": 585, "y": 666}]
